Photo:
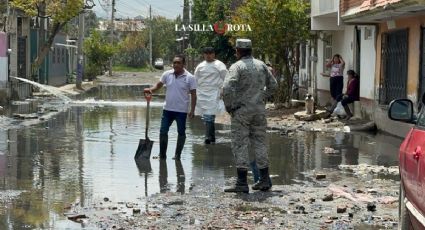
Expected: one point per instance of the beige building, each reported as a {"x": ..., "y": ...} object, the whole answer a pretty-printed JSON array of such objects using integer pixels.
[{"x": 382, "y": 40}]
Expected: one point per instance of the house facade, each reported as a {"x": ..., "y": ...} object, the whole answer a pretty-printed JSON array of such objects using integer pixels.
[
  {"x": 24, "y": 38},
  {"x": 399, "y": 70},
  {"x": 382, "y": 40}
]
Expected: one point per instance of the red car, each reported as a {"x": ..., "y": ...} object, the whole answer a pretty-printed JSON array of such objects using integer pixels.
[{"x": 412, "y": 164}]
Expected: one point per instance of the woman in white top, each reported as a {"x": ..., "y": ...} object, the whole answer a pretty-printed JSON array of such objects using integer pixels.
[
  {"x": 336, "y": 80},
  {"x": 209, "y": 76}
]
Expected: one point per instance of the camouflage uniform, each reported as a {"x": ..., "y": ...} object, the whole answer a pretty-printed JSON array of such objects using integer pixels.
[{"x": 246, "y": 87}]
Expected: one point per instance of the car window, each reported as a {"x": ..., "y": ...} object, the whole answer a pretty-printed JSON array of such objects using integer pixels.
[{"x": 421, "y": 117}]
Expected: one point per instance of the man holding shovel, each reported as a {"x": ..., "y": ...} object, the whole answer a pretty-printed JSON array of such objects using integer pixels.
[{"x": 180, "y": 84}]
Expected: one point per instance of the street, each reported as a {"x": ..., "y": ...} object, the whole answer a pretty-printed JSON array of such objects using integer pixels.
[{"x": 72, "y": 167}]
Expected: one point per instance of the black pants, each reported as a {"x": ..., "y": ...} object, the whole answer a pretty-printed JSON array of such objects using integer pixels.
[{"x": 336, "y": 85}]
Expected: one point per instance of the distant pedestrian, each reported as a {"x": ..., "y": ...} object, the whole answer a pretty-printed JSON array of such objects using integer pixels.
[
  {"x": 245, "y": 90},
  {"x": 209, "y": 76},
  {"x": 180, "y": 84},
  {"x": 336, "y": 81}
]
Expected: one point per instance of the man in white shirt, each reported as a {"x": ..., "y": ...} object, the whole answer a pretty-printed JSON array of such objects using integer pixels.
[
  {"x": 180, "y": 84},
  {"x": 209, "y": 76}
]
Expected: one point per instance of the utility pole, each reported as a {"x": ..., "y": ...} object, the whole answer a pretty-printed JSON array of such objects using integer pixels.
[
  {"x": 80, "y": 63},
  {"x": 112, "y": 34},
  {"x": 150, "y": 35}
]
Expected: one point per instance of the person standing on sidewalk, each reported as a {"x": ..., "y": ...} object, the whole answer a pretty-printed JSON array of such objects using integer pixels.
[
  {"x": 246, "y": 87},
  {"x": 336, "y": 80},
  {"x": 209, "y": 76},
  {"x": 180, "y": 84}
]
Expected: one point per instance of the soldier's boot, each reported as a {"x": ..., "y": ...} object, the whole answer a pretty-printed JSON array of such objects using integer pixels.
[
  {"x": 241, "y": 183},
  {"x": 163, "y": 143},
  {"x": 264, "y": 183},
  {"x": 179, "y": 148},
  {"x": 256, "y": 172}
]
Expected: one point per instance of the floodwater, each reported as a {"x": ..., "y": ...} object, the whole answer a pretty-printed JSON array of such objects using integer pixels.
[{"x": 84, "y": 154}]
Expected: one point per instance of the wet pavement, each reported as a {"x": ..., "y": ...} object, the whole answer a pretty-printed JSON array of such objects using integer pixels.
[{"x": 81, "y": 159}]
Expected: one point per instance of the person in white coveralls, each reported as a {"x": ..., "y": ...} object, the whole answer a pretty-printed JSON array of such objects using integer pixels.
[{"x": 209, "y": 76}]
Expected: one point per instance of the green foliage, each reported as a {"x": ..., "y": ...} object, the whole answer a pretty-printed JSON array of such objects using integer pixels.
[
  {"x": 123, "y": 68},
  {"x": 60, "y": 11},
  {"x": 132, "y": 50},
  {"x": 277, "y": 29},
  {"x": 210, "y": 12},
  {"x": 164, "y": 43},
  {"x": 98, "y": 52}
]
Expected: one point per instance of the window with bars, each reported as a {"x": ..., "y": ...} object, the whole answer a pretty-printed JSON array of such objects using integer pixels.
[
  {"x": 393, "y": 83},
  {"x": 327, "y": 52}
]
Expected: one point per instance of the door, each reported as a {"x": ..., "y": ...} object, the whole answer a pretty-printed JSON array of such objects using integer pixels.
[
  {"x": 22, "y": 57},
  {"x": 421, "y": 89}
]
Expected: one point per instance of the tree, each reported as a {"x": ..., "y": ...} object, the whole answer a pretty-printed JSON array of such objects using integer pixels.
[
  {"x": 277, "y": 29},
  {"x": 58, "y": 11},
  {"x": 133, "y": 51},
  {"x": 208, "y": 13},
  {"x": 164, "y": 38},
  {"x": 98, "y": 51}
]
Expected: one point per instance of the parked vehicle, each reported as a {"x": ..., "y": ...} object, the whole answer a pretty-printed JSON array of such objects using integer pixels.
[
  {"x": 412, "y": 164},
  {"x": 159, "y": 63}
]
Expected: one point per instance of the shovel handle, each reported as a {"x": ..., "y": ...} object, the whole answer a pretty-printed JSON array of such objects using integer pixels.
[
  {"x": 148, "y": 97},
  {"x": 148, "y": 100}
]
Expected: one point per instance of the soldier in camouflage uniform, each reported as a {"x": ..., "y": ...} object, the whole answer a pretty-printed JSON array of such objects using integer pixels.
[{"x": 246, "y": 87}]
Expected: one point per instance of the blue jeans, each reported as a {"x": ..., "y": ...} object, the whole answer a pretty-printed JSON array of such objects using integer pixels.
[
  {"x": 167, "y": 119},
  {"x": 208, "y": 118}
]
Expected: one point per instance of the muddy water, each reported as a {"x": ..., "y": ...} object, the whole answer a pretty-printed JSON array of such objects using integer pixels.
[{"x": 84, "y": 155}]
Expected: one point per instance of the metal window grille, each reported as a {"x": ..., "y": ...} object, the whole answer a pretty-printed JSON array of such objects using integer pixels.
[
  {"x": 327, "y": 51},
  {"x": 393, "y": 82}
]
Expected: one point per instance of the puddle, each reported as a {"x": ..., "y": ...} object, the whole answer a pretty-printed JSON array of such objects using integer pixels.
[{"x": 85, "y": 154}]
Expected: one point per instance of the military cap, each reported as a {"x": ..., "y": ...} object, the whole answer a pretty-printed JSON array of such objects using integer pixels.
[
  {"x": 243, "y": 43},
  {"x": 208, "y": 49}
]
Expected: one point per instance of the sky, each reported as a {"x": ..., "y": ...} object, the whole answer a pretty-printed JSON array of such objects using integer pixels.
[{"x": 132, "y": 8}]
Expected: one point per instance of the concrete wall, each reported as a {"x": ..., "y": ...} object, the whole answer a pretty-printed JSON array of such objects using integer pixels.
[
  {"x": 367, "y": 62},
  {"x": 58, "y": 66},
  {"x": 3, "y": 60}
]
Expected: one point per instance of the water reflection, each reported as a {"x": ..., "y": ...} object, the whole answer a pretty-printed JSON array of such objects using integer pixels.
[
  {"x": 86, "y": 154},
  {"x": 181, "y": 179}
]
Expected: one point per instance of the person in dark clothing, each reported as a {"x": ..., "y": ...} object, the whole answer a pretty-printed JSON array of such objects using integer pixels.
[{"x": 352, "y": 94}]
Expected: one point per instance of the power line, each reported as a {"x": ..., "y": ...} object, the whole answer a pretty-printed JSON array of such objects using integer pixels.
[{"x": 130, "y": 9}]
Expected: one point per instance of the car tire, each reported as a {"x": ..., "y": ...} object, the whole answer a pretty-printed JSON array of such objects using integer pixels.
[{"x": 403, "y": 214}]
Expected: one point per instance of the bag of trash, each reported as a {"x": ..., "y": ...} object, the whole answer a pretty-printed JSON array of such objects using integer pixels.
[{"x": 339, "y": 110}]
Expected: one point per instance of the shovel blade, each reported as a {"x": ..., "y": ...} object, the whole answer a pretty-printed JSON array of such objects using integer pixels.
[{"x": 144, "y": 149}]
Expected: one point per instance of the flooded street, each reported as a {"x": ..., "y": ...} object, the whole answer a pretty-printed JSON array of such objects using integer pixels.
[{"x": 83, "y": 156}]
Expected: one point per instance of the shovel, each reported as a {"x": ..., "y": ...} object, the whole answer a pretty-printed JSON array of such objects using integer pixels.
[{"x": 145, "y": 145}]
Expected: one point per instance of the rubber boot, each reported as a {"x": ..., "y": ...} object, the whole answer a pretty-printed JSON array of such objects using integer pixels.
[
  {"x": 348, "y": 112},
  {"x": 212, "y": 132},
  {"x": 241, "y": 183},
  {"x": 264, "y": 183},
  {"x": 163, "y": 143},
  {"x": 209, "y": 133},
  {"x": 179, "y": 148}
]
